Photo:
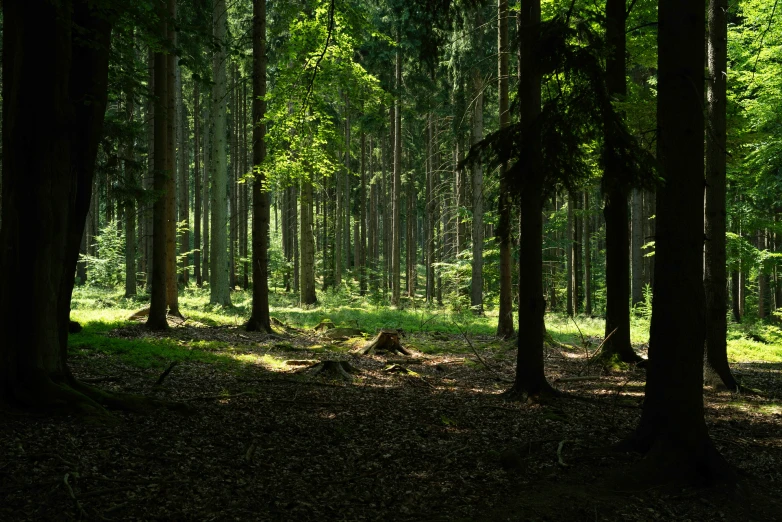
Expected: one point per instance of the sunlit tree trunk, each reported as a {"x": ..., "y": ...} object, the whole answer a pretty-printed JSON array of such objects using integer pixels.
[
  {"x": 636, "y": 242},
  {"x": 197, "y": 181},
  {"x": 476, "y": 287},
  {"x": 218, "y": 284},
  {"x": 259, "y": 318}
]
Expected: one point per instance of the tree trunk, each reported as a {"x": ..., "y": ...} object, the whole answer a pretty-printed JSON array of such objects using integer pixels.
[
  {"x": 616, "y": 211},
  {"x": 715, "y": 275},
  {"x": 207, "y": 176},
  {"x": 587, "y": 256},
  {"x": 735, "y": 292},
  {"x": 197, "y": 181},
  {"x": 157, "y": 309},
  {"x": 259, "y": 318},
  {"x": 307, "y": 248},
  {"x": 569, "y": 259},
  {"x": 505, "y": 320},
  {"x": 362, "y": 250},
  {"x": 172, "y": 293},
  {"x": 672, "y": 431},
  {"x": 130, "y": 203},
  {"x": 184, "y": 191},
  {"x": 636, "y": 250},
  {"x": 397, "y": 194},
  {"x": 218, "y": 287},
  {"x": 530, "y": 380},
  {"x": 51, "y": 73},
  {"x": 148, "y": 179},
  {"x": 476, "y": 294}
]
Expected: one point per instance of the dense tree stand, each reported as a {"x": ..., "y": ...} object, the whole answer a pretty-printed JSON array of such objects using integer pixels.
[{"x": 386, "y": 341}]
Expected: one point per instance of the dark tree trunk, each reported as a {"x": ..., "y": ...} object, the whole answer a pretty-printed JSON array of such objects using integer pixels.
[
  {"x": 397, "y": 185},
  {"x": 715, "y": 276},
  {"x": 587, "y": 256},
  {"x": 616, "y": 207},
  {"x": 569, "y": 259},
  {"x": 172, "y": 290},
  {"x": 505, "y": 320},
  {"x": 157, "y": 310},
  {"x": 50, "y": 74},
  {"x": 259, "y": 319},
  {"x": 672, "y": 431},
  {"x": 530, "y": 380}
]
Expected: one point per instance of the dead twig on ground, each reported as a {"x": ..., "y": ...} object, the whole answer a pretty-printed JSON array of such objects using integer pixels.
[
  {"x": 165, "y": 373},
  {"x": 481, "y": 359}
]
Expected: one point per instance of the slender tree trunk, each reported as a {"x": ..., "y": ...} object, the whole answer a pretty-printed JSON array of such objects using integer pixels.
[
  {"x": 259, "y": 318},
  {"x": 172, "y": 293},
  {"x": 197, "y": 181},
  {"x": 569, "y": 259},
  {"x": 184, "y": 189},
  {"x": 503, "y": 232},
  {"x": 476, "y": 294},
  {"x": 157, "y": 310},
  {"x": 397, "y": 195},
  {"x": 715, "y": 275},
  {"x": 207, "y": 176},
  {"x": 636, "y": 254},
  {"x": 616, "y": 207},
  {"x": 587, "y": 256},
  {"x": 130, "y": 203},
  {"x": 147, "y": 181},
  {"x": 672, "y": 431},
  {"x": 760, "y": 243},
  {"x": 577, "y": 253},
  {"x": 219, "y": 289},
  {"x": 530, "y": 380},
  {"x": 307, "y": 247},
  {"x": 362, "y": 250},
  {"x": 233, "y": 221}
]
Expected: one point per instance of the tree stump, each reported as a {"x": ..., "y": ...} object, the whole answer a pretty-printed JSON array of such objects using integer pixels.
[
  {"x": 386, "y": 341},
  {"x": 325, "y": 324},
  {"x": 340, "y": 370}
]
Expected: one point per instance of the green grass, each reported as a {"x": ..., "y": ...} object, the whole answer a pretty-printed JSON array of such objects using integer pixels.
[{"x": 100, "y": 311}]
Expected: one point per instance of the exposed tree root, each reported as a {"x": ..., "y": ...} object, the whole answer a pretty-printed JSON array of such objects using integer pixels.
[
  {"x": 386, "y": 341},
  {"x": 534, "y": 393},
  {"x": 341, "y": 370}
]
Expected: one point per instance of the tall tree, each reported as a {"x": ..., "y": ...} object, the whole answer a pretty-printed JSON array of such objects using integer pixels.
[
  {"x": 172, "y": 290},
  {"x": 157, "y": 309},
  {"x": 130, "y": 183},
  {"x": 616, "y": 207},
  {"x": 259, "y": 319},
  {"x": 218, "y": 285},
  {"x": 307, "y": 248},
  {"x": 397, "y": 189},
  {"x": 672, "y": 430},
  {"x": 55, "y": 69},
  {"x": 476, "y": 293},
  {"x": 197, "y": 181},
  {"x": 505, "y": 320},
  {"x": 715, "y": 276},
  {"x": 530, "y": 380}
]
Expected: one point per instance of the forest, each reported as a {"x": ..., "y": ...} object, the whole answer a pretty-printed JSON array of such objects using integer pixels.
[{"x": 391, "y": 260}]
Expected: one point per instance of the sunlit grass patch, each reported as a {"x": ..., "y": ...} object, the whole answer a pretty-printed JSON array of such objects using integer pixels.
[{"x": 763, "y": 408}]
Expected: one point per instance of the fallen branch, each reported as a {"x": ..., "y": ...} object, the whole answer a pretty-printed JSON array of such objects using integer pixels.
[
  {"x": 76, "y": 503},
  {"x": 600, "y": 347},
  {"x": 93, "y": 380},
  {"x": 481, "y": 359},
  {"x": 559, "y": 454},
  {"x": 165, "y": 373}
]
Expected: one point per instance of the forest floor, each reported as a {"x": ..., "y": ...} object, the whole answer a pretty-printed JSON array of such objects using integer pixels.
[{"x": 430, "y": 439}]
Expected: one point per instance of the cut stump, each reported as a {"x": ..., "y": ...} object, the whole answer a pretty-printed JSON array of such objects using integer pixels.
[
  {"x": 325, "y": 324},
  {"x": 341, "y": 370},
  {"x": 386, "y": 341}
]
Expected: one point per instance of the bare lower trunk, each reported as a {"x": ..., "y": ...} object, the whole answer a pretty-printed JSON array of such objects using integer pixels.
[{"x": 307, "y": 248}]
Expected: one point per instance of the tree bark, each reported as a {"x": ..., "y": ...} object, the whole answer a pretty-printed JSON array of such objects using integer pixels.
[
  {"x": 157, "y": 309},
  {"x": 197, "y": 181},
  {"x": 569, "y": 259},
  {"x": 184, "y": 191},
  {"x": 259, "y": 321},
  {"x": 715, "y": 275},
  {"x": 530, "y": 380},
  {"x": 50, "y": 74},
  {"x": 397, "y": 194},
  {"x": 172, "y": 290},
  {"x": 672, "y": 431},
  {"x": 636, "y": 250},
  {"x": 587, "y": 256},
  {"x": 130, "y": 203},
  {"x": 307, "y": 247},
  {"x": 476, "y": 287},
  {"x": 616, "y": 211},
  {"x": 503, "y": 232},
  {"x": 218, "y": 287}
]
